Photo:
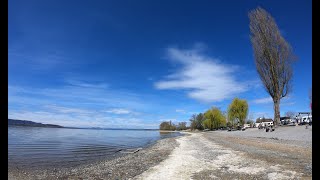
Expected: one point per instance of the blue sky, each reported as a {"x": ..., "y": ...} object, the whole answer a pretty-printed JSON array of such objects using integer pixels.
[{"x": 137, "y": 63}]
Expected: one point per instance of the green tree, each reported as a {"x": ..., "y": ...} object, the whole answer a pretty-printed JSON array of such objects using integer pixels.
[
  {"x": 167, "y": 126},
  {"x": 214, "y": 119},
  {"x": 164, "y": 126},
  {"x": 208, "y": 124},
  {"x": 238, "y": 110},
  {"x": 229, "y": 124},
  {"x": 273, "y": 57}
]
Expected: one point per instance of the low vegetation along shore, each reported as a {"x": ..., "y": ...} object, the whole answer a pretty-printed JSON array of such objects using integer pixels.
[{"x": 252, "y": 154}]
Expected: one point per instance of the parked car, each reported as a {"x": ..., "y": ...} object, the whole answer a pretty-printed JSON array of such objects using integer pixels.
[{"x": 286, "y": 121}]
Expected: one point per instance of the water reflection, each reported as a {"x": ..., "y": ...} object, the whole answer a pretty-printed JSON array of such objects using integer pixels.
[{"x": 165, "y": 132}]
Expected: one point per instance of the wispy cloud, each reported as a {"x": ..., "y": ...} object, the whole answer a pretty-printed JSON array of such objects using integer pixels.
[
  {"x": 75, "y": 95},
  {"x": 180, "y": 111},
  {"x": 39, "y": 61},
  {"x": 263, "y": 100},
  {"x": 119, "y": 111},
  {"x": 167, "y": 120},
  {"x": 288, "y": 103},
  {"x": 78, "y": 105},
  {"x": 206, "y": 79},
  {"x": 268, "y": 100},
  {"x": 82, "y": 120},
  {"x": 83, "y": 84}
]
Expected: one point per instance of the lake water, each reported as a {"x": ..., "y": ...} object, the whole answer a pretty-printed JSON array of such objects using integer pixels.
[{"x": 37, "y": 147}]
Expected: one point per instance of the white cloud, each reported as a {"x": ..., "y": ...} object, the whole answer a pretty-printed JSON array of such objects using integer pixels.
[
  {"x": 77, "y": 106},
  {"x": 81, "y": 120},
  {"x": 206, "y": 79},
  {"x": 288, "y": 103},
  {"x": 74, "y": 95},
  {"x": 167, "y": 120},
  {"x": 263, "y": 100},
  {"x": 52, "y": 118},
  {"x": 268, "y": 100},
  {"x": 119, "y": 111}
]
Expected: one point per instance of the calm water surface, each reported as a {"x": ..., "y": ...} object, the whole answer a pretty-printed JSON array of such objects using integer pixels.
[{"x": 37, "y": 147}]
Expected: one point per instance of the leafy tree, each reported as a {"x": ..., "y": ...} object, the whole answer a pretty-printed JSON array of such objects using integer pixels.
[
  {"x": 208, "y": 124},
  {"x": 238, "y": 110},
  {"x": 229, "y": 124},
  {"x": 273, "y": 57},
  {"x": 214, "y": 119},
  {"x": 167, "y": 126}
]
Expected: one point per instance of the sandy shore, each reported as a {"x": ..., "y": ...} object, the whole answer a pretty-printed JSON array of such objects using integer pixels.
[{"x": 251, "y": 154}]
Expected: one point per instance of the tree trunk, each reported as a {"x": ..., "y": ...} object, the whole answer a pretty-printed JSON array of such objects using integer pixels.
[{"x": 276, "y": 106}]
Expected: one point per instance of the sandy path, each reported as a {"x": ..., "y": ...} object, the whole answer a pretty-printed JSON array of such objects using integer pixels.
[{"x": 199, "y": 158}]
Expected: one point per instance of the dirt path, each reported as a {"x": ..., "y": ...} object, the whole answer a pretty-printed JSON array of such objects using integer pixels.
[{"x": 198, "y": 157}]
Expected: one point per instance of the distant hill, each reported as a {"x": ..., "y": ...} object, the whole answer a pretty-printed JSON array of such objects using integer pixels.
[{"x": 14, "y": 122}]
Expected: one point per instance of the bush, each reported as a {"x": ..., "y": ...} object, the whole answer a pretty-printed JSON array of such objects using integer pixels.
[{"x": 167, "y": 126}]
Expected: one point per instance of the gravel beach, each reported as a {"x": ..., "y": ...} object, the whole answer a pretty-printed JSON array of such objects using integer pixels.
[
  {"x": 125, "y": 166},
  {"x": 285, "y": 153}
]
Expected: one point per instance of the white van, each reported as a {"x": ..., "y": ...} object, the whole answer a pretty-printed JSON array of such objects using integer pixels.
[{"x": 306, "y": 119}]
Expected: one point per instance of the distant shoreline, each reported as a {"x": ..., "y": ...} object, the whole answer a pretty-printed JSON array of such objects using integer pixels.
[{"x": 25, "y": 123}]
